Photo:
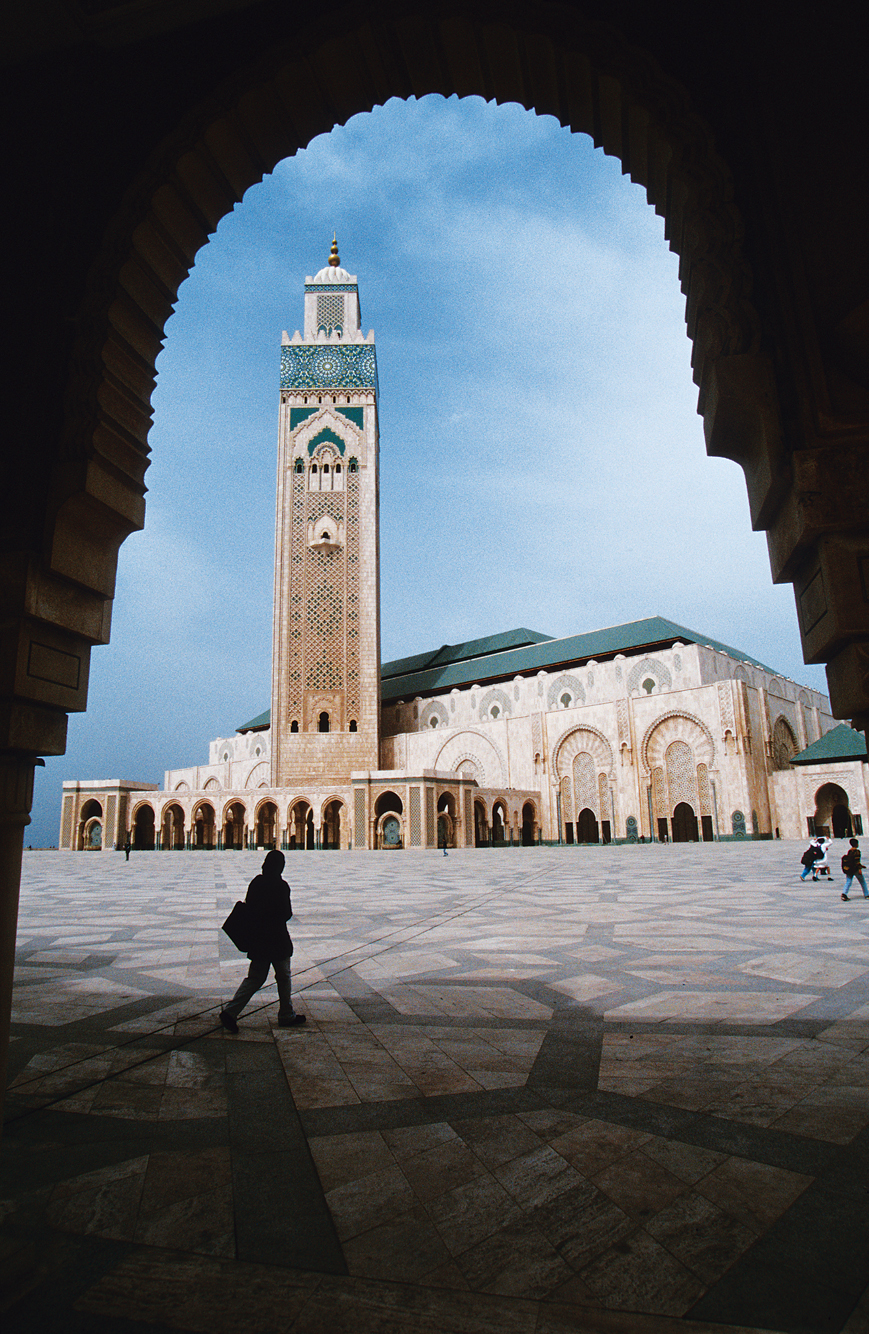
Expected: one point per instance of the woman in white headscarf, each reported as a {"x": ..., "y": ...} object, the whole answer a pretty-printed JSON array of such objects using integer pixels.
[{"x": 821, "y": 868}]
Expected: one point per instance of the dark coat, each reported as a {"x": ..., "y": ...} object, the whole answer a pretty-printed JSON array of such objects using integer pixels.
[{"x": 269, "y": 900}]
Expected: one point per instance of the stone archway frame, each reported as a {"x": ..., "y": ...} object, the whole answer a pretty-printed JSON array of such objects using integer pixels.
[
  {"x": 666, "y": 729},
  {"x": 133, "y": 815},
  {"x": 479, "y": 800},
  {"x": 456, "y": 750},
  {"x": 831, "y": 783},
  {"x": 199, "y": 804},
  {"x": 140, "y": 805},
  {"x": 593, "y": 742},
  {"x": 554, "y": 62},
  {"x": 327, "y": 801},
  {"x": 227, "y": 807},
  {"x": 378, "y": 827},
  {"x": 782, "y": 722},
  {"x": 292, "y": 806},
  {"x": 260, "y": 764}
]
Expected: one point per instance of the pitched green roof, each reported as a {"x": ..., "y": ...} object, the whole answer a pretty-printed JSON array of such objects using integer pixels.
[
  {"x": 841, "y": 743},
  {"x": 518, "y": 652},
  {"x": 257, "y": 724},
  {"x": 544, "y": 654},
  {"x": 451, "y": 653}
]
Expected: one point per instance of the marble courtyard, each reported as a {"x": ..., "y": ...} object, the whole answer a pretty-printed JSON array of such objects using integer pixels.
[{"x": 540, "y": 1090}]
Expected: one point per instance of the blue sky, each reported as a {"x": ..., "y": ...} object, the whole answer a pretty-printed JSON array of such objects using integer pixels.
[{"x": 542, "y": 462}]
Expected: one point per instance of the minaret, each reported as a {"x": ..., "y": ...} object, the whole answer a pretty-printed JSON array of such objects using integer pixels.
[{"x": 325, "y": 719}]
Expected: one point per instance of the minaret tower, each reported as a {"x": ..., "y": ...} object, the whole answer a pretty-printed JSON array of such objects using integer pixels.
[{"x": 325, "y": 719}]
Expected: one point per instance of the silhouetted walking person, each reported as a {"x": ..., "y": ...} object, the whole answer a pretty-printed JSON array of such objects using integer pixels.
[{"x": 268, "y": 898}]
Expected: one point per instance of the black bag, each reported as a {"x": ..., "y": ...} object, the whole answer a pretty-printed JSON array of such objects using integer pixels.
[
  {"x": 239, "y": 926},
  {"x": 810, "y": 856}
]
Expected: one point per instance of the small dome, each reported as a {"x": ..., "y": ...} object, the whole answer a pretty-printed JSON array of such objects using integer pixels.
[{"x": 330, "y": 275}]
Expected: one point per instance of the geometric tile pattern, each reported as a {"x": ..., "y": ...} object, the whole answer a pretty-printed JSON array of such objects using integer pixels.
[{"x": 619, "y": 1088}]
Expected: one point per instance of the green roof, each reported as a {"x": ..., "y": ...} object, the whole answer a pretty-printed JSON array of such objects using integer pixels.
[
  {"x": 257, "y": 724},
  {"x": 653, "y": 633},
  {"x": 451, "y": 653},
  {"x": 841, "y": 743},
  {"x": 518, "y": 652}
]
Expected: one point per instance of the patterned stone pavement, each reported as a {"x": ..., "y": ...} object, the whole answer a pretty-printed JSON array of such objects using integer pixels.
[{"x": 540, "y": 1090}]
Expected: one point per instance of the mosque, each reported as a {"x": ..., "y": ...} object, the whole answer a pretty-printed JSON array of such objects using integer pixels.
[{"x": 639, "y": 732}]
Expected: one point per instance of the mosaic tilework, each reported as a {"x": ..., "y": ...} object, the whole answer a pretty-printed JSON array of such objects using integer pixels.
[
  {"x": 332, "y": 366},
  {"x": 601, "y": 1089}
]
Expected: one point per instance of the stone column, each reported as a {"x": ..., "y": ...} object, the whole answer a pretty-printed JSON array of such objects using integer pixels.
[{"x": 16, "y": 798}]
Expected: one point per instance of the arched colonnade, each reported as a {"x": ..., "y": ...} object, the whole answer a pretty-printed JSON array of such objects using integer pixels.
[
  {"x": 460, "y": 817},
  {"x": 294, "y": 824}
]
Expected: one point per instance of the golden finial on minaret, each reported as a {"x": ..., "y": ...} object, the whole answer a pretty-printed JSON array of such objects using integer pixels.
[{"x": 333, "y": 253}]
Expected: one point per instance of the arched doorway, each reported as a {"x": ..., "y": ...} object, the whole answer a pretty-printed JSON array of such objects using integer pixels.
[
  {"x": 266, "y": 825},
  {"x": 203, "y": 826},
  {"x": 684, "y": 824},
  {"x": 388, "y": 821},
  {"x": 832, "y": 812},
  {"x": 446, "y": 832},
  {"x": 90, "y": 826},
  {"x": 233, "y": 826},
  {"x": 390, "y": 831},
  {"x": 586, "y": 827},
  {"x": 172, "y": 835},
  {"x": 499, "y": 823},
  {"x": 144, "y": 829},
  {"x": 302, "y": 827},
  {"x": 529, "y": 825},
  {"x": 332, "y": 825},
  {"x": 481, "y": 826}
]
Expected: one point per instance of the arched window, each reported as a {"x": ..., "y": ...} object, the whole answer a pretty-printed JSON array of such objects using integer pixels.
[
  {"x": 352, "y": 725},
  {"x": 298, "y": 466},
  {"x": 433, "y": 721},
  {"x": 353, "y": 465},
  {"x": 648, "y": 685},
  {"x": 294, "y": 725},
  {"x": 566, "y": 700},
  {"x": 324, "y": 722},
  {"x": 495, "y": 711}
]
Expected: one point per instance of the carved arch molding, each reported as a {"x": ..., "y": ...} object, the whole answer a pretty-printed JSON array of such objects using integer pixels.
[
  {"x": 677, "y": 727},
  {"x": 583, "y": 740},
  {"x": 478, "y": 750},
  {"x": 548, "y": 59}
]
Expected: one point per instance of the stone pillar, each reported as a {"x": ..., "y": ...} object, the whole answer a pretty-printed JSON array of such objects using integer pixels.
[{"x": 16, "y": 798}]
